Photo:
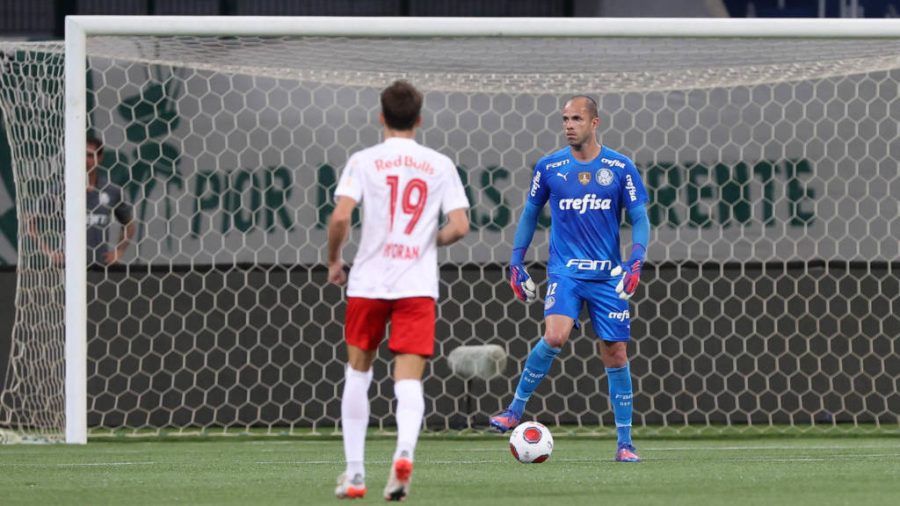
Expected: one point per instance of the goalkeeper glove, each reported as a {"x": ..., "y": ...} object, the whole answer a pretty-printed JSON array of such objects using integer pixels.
[
  {"x": 632, "y": 272},
  {"x": 521, "y": 283}
]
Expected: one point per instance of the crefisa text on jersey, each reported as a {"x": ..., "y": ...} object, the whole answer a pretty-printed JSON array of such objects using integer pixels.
[
  {"x": 629, "y": 185},
  {"x": 582, "y": 204}
]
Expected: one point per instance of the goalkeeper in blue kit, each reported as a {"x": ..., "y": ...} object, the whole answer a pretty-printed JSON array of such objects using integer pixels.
[{"x": 587, "y": 186}]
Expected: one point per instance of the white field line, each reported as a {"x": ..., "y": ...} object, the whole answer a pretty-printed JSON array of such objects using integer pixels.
[
  {"x": 765, "y": 447},
  {"x": 803, "y": 458},
  {"x": 335, "y": 462},
  {"x": 377, "y": 462},
  {"x": 80, "y": 464},
  {"x": 94, "y": 450},
  {"x": 720, "y": 448},
  {"x": 773, "y": 458}
]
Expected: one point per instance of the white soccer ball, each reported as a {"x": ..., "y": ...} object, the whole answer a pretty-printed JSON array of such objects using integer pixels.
[{"x": 531, "y": 443}]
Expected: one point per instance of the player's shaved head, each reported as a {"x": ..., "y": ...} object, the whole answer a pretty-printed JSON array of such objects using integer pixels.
[
  {"x": 588, "y": 103},
  {"x": 401, "y": 104}
]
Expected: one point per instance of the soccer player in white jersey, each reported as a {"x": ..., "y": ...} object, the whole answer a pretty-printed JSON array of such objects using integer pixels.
[
  {"x": 403, "y": 188},
  {"x": 587, "y": 186}
]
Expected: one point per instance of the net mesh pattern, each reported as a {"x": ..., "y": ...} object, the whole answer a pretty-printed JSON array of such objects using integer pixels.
[
  {"x": 31, "y": 99},
  {"x": 770, "y": 295}
]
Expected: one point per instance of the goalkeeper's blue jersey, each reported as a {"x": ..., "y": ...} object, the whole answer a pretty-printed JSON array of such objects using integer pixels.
[{"x": 586, "y": 202}]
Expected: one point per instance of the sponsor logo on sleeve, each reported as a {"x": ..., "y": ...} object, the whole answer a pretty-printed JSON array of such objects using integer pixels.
[
  {"x": 629, "y": 185},
  {"x": 535, "y": 183}
]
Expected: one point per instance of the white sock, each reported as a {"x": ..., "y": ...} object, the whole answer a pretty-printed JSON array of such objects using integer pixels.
[
  {"x": 355, "y": 419},
  {"x": 410, "y": 410}
]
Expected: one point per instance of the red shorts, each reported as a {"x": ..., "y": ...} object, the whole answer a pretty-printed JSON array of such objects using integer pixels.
[{"x": 412, "y": 324}]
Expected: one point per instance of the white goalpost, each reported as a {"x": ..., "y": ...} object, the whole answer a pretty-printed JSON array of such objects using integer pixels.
[{"x": 765, "y": 302}]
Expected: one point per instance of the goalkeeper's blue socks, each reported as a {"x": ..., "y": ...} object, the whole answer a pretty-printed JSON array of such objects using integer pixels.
[
  {"x": 620, "y": 396},
  {"x": 539, "y": 361}
]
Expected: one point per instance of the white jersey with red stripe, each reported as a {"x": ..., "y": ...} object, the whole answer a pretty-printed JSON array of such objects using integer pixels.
[{"x": 403, "y": 188}]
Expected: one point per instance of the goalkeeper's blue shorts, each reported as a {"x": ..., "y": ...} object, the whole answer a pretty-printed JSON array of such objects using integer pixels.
[{"x": 609, "y": 314}]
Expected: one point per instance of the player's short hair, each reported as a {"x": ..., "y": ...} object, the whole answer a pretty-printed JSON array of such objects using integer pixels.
[
  {"x": 401, "y": 104},
  {"x": 95, "y": 143},
  {"x": 591, "y": 105}
]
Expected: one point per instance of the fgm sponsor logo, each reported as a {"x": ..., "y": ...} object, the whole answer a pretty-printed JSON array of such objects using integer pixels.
[
  {"x": 586, "y": 264},
  {"x": 557, "y": 164},
  {"x": 94, "y": 219}
]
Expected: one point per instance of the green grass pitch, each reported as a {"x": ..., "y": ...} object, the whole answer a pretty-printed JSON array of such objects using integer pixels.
[{"x": 470, "y": 472}]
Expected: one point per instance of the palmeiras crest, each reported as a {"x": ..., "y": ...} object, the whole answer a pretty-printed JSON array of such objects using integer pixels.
[{"x": 604, "y": 177}]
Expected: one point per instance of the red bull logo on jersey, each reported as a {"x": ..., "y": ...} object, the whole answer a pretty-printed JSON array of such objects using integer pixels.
[
  {"x": 584, "y": 203},
  {"x": 404, "y": 161}
]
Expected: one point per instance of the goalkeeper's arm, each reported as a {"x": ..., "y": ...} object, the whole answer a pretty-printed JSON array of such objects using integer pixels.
[
  {"x": 519, "y": 280},
  {"x": 640, "y": 236}
]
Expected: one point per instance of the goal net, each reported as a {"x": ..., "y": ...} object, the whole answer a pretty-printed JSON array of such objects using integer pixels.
[{"x": 770, "y": 296}]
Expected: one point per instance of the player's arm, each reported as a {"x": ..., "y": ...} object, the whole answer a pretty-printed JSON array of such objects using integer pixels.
[
  {"x": 56, "y": 256},
  {"x": 519, "y": 279},
  {"x": 338, "y": 230},
  {"x": 456, "y": 228},
  {"x": 640, "y": 237},
  {"x": 348, "y": 195},
  {"x": 124, "y": 240},
  {"x": 126, "y": 219},
  {"x": 634, "y": 195}
]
